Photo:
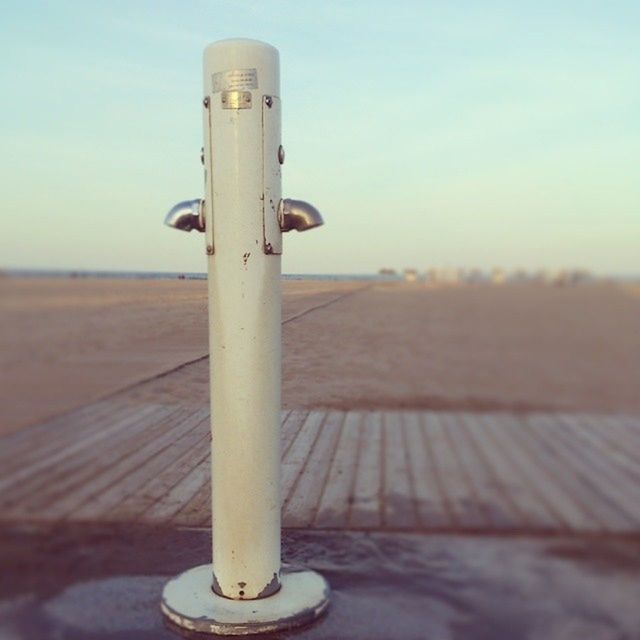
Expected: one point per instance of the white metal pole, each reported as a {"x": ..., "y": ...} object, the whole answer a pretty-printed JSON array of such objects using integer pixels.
[
  {"x": 243, "y": 215},
  {"x": 242, "y": 116}
]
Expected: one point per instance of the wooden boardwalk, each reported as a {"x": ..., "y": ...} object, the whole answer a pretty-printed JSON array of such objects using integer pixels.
[{"x": 118, "y": 460}]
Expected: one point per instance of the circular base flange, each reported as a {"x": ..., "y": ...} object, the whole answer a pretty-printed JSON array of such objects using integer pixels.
[{"x": 190, "y": 604}]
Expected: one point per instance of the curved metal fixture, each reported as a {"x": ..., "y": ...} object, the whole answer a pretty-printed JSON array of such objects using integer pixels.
[
  {"x": 186, "y": 216},
  {"x": 299, "y": 215}
]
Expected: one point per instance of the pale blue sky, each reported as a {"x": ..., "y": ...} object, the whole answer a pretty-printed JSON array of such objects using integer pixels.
[{"x": 428, "y": 133}]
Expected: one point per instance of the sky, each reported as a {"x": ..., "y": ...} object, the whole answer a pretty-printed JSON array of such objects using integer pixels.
[{"x": 432, "y": 133}]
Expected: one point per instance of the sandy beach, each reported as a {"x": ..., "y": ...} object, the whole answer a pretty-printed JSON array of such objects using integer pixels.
[
  {"x": 117, "y": 501},
  {"x": 67, "y": 342},
  {"x": 64, "y": 343}
]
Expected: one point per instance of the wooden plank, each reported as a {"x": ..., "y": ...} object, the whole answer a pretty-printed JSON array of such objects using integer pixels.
[
  {"x": 147, "y": 485},
  {"x": 633, "y": 422},
  {"x": 506, "y": 432},
  {"x": 36, "y": 483},
  {"x": 555, "y": 466},
  {"x": 587, "y": 470},
  {"x": 129, "y": 451},
  {"x": 399, "y": 503},
  {"x": 40, "y": 433},
  {"x": 464, "y": 506},
  {"x": 296, "y": 456},
  {"x": 302, "y": 503},
  {"x": 631, "y": 425},
  {"x": 196, "y": 512},
  {"x": 284, "y": 429},
  {"x": 333, "y": 509},
  {"x": 532, "y": 512},
  {"x": 44, "y": 458},
  {"x": 58, "y": 483},
  {"x": 291, "y": 428},
  {"x": 627, "y": 467},
  {"x": 394, "y": 470},
  {"x": 186, "y": 453},
  {"x": 601, "y": 439},
  {"x": 615, "y": 432},
  {"x": 53, "y": 485},
  {"x": 432, "y": 510},
  {"x": 40, "y": 441},
  {"x": 366, "y": 508},
  {"x": 126, "y": 472},
  {"x": 164, "y": 509},
  {"x": 486, "y": 491}
]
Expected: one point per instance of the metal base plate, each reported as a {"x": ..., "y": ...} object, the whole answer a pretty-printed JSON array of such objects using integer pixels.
[{"x": 190, "y": 604}]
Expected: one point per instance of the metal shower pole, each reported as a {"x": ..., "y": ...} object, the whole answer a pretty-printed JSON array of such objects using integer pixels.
[{"x": 243, "y": 216}]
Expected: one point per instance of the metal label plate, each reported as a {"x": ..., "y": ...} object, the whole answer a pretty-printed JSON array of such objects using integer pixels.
[
  {"x": 236, "y": 99},
  {"x": 235, "y": 80}
]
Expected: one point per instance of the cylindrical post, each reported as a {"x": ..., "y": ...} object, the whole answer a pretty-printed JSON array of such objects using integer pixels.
[
  {"x": 244, "y": 316},
  {"x": 243, "y": 216}
]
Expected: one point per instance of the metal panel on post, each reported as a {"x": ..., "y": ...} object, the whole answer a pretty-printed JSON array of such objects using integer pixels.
[{"x": 244, "y": 590}]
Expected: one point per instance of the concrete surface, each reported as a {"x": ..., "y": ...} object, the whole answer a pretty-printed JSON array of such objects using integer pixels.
[{"x": 104, "y": 583}]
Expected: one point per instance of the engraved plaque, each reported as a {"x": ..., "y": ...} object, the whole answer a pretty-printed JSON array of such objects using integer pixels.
[
  {"x": 235, "y": 80},
  {"x": 236, "y": 99}
]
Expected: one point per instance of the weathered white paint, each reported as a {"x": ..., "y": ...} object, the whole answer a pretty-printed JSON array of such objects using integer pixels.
[
  {"x": 244, "y": 316},
  {"x": 188, "y": 602},
  {"x": 242, "y": 591}
]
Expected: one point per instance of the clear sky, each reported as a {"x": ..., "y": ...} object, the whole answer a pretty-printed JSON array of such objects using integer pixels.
[{"x": 429, "y": 133}]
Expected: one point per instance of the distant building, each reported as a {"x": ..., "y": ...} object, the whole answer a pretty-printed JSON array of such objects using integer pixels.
[
  {"x": 498, "y": 275},
  {"x": 410, "y": 275},
  {"x": 475, "y": 276},
  {"x": 519, "y": 275},
  {"x": 444, "y": 275},
  {"x": 432, "y": 275}
]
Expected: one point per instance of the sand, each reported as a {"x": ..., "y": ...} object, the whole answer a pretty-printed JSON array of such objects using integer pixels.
[
  {"x": 64, "y": 343},
  {"x": 515, "y": 347}
]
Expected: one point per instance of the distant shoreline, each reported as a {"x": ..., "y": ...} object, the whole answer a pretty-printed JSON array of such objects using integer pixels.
[
  {"x": 172, "y": 275},
  {"x": 195, "y": 275}
]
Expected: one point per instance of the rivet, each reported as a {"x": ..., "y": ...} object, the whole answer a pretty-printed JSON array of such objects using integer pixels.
[
  {"x": 205, "y": 102},
  {"x": 209, "y": 250},
  {"x": 268, "y": 100},
  {"x": 281, "y": 154}
]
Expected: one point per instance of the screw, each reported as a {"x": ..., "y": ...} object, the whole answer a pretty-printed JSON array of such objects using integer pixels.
[
  {"x": 209, "y": 249},
  {"x": 281, "y": 154},
  {"x": 268, "y": 100},
  {"x": 202, "y": 155},
  {"x": 205, "y": 102}
]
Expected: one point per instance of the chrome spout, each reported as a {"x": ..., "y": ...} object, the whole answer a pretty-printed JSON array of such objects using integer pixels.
[
  {"x": 186, "y": 216},
  {"x": 299, "y": 215}
]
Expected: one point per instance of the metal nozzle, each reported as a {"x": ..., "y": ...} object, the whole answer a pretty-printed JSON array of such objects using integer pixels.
[
  {"x": 299, "y": 215},
  {"x": 186, "y": 216}
]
